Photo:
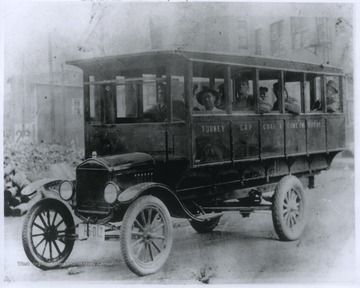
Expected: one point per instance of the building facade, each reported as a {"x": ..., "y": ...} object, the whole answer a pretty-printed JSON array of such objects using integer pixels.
[{"x": 53, "y": 107}]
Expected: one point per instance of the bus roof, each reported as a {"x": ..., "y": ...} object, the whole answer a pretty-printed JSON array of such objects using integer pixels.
[{"x": 176, "y": 57}]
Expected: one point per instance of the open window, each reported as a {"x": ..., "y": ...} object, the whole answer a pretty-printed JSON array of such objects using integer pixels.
[
  {"x": 280, "y": 91},
  {"x": 333, "y": 94},
  {"x": 294, "y": 92},
  {"x": 208, "y": 91},
  {"x": 137, "y": 97},
  {"x": 268, "y": 100},
  {"x": 243, "y": 90},
  {"x": 325, "y": 94}
]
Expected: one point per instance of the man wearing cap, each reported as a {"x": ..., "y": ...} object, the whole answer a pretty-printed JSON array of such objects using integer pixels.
[
  {"x": 207, "y": 97},
  {"x": 332, "y": 101},
  {"x": 291, "y": 104},
  {"x": 243, "y": 100}
]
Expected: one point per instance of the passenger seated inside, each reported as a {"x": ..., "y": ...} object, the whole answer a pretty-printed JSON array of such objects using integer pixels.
[
  {"x": 220, "y": 103},
  {"x": 265, "y": 105},
  {"x": 291, "y": 104},
  {"x": 332, "y": 100},
  {"x": 243, "y": 100},
  {"x": 196, "y": 105},
  {"x": 208, "y": 97},
  {"x": 158, "y": 112}
]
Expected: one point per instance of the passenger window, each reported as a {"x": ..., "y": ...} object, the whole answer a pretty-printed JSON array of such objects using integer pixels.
[
  {"x": 126, "y": 100},
  {"x": 292, "y": 93},
  {"x": 324, "y": 88},
  {"x": 154, "y": 99},
  {"x": 332, "y": 94},
  {"x": 315, "y": 93},
  {"x": 208, "y": 91},
  {"x": 243, "y": 96},
  {"x": 200, "y": 84},
  {"x": 178, "y": 98},
  {"x": 94, "y": 100},
  {"x": 220, "y": 88},
  {"x": 157, "y": 101},
  {"x": 266, "y": 95}
]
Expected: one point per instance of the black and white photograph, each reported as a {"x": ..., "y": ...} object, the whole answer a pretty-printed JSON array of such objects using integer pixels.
[{"x": 179, "y": 143}]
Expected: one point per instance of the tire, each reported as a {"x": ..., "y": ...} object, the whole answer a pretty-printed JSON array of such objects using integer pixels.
[
  {"x": 289, "y": 208},
  {"x": 45, "y": 229},
  {"x": 146, "y": 235},
  {"x": 206, "y": 226}
]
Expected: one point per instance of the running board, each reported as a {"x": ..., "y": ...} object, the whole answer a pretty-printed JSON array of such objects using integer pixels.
[{"x": 239, "y": 209}]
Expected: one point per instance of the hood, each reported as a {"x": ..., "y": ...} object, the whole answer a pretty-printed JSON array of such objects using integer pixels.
[{"x": 118, "y": 162}]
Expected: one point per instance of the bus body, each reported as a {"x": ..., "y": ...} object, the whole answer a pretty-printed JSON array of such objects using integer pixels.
[{"x": 152, "y": 153}]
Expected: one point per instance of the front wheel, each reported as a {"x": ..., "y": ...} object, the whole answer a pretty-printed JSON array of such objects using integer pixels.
[
  {"x": 46, "y": 234},
  {"x": 288, "y": 210},
  {"x": 146, "y": 235}
]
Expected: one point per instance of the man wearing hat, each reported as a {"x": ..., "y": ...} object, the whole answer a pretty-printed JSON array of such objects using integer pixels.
[
  {"x": 264, "y": 103},
  {"x": 207, "y": 97},
  {"x": 332, "y": 101}
]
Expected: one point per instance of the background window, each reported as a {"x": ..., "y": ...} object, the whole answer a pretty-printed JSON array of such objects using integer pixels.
[
  {"x": 300, "y": 34},
  {"x": 277, "y": 38},
  {"x": 77, "y": 107},
  {"x": 322, "y": 29},
  {"x": 258, "y": 42},
  {"x": 243, "y": 37}
]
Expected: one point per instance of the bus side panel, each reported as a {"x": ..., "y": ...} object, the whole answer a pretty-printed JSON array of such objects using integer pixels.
[
  {"x": 149, "y": 138},
  {"x": 272, "y": 138},
  {"x": 336, "y": 132},
  {"x": 316, "y": 138},
  {"x": 245, "y": 139},
  {"x": 295, "y": 137},
  {"x": 211, "y": 140},
  {"x": 178, "y": 140}
]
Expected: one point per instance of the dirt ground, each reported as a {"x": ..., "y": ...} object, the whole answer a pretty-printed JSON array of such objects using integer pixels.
[{"x": 240, "y": 250}]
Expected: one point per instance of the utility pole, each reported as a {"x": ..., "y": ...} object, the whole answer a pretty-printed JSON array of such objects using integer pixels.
[
  {"x": 52, "y": 97},
  {"x": 23, "y": 93},
  {"x": 63, "y": 94}
]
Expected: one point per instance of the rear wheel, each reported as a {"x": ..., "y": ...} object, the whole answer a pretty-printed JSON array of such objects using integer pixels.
[
  {"x": 206, "y": 226},
  {"x": 146, "y": 235},
  {"x": 288, "y": 210},
  {"x": 46, "y": 234}
]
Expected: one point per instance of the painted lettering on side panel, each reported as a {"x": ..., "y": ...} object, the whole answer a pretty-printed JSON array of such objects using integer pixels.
[
  {"x": 245, "y": 127},
  {"x": 314, "y": 124},
  {"x": 212, "y": 128},
  {"x": 295, "y": 125},
  {"x": 272, "y": 126}
]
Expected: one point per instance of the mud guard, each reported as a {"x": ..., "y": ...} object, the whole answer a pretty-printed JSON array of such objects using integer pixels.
[
  {"x": 42, "y": 185},
  {"x": 165, "y": 194}
]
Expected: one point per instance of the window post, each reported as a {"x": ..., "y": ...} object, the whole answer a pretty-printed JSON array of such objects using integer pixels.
[{"x": 227, "y": 89}]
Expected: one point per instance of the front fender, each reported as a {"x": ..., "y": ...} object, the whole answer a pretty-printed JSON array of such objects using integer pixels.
[
  {"x": 161, "y": 191},
  {"x": 43, "y": 184}
]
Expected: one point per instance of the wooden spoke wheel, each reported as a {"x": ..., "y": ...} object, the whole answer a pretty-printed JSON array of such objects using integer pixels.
[
  {"x": 146, "y": 235},
  {"x": 288, "y": 210},
  {"x": 46, "y": 234}
]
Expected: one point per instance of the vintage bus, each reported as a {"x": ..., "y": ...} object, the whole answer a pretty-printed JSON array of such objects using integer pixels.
[{"x": 185, "y": 134}]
